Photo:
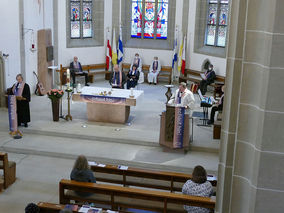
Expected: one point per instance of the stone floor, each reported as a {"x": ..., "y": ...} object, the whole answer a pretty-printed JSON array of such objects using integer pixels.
[{"x": 47, "y": 151}]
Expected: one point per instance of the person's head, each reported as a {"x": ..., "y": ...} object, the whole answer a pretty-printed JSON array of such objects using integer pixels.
[
  {"x": 211, "y": 67},
  {"x": 199, "y": 175},
  {"x": 116, "y": 68},
  {"x": 32, "y": 208},
  {"x": 19, "y": 78},
  {"x": 81, "y": 163},
  {"x": 156, "y": 58},
  {"x": 182, "y": 86},
  {"x": 223, "y": 88},
  {"x": 66, "y": 211},
  {"x": 75, "y": 58},
  {"x": 136, "y": 55},
  {"x": 134, "y": 67}
]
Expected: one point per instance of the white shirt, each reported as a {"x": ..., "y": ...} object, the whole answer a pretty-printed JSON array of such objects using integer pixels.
[{"x": 187, "y": 99}]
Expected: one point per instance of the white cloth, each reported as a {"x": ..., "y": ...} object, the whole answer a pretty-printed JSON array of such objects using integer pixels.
[
  {"x": 152, "y": 77},
  {"x": 139, "y": 68},
  {"x": 187, "y": 99}
]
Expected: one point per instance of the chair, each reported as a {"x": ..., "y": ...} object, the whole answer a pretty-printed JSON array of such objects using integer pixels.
[{"x": 9, "y": 170}]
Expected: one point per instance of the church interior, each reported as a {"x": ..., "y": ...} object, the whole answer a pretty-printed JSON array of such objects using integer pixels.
[{"x": 146, "y": 94}]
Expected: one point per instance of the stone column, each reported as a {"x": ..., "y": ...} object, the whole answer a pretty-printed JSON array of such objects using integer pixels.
[{"x": 252, "y": 151}]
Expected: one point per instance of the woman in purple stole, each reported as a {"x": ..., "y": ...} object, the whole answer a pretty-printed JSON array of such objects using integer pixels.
[
  {"x": 133, "y": 77},
  {"x": 22, "y": 92}
]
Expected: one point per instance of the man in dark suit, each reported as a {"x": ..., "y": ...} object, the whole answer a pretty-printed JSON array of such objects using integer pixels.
[
  {"x": 207, "y": 78},
  {"x": 117, "y": 78},
  {"x": 218, "y": 107},
  {"x": 76, "y": 69}
]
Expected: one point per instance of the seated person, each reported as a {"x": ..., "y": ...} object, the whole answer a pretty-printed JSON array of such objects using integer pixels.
[
  {"x": 117, "y": 78},
  {"x": 132, "y": 77},
  {"x": 32, "y": 208},
  {"x": 81, "y": 172},
  {"x": 207, "y": 78},
  {"x": 183, "y": 97},
  {"x": 218, "y": 107},
  {"x": 198, "y": 186},
  {"x": 76, "y": 69},
  {"x": 154, "y": 70},
  {"x": 138, "y": 62}
]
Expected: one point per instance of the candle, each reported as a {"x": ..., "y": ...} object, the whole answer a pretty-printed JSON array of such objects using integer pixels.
[
  {"x": 131, "y": 91},
  {"x": 68, "y": 79}
]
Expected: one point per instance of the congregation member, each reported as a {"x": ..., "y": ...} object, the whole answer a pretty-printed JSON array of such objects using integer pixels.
[
  {"x": 32, "y": 208},
  {"x": 132, "y": 77},
  {"x": 76, "y": 69},
  {"x": 117, "y": 78},
  {"x": 138, "y": 62},
  {"x": 23, "y": 95},
  {"x": 183, "y": 97},
  {"x": 154, "y": 70},
  {"x": 207, "y": 78},
  {"x": 218, "y": 107},
  {"x": 81, "y": 172},
  {"x": 198, "y": 186}
]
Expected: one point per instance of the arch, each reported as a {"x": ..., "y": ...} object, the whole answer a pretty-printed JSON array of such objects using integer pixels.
[{"x": 2, "y": 81}]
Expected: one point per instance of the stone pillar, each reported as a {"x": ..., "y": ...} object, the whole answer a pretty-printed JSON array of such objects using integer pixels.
[{"x": 252, "y": 150}]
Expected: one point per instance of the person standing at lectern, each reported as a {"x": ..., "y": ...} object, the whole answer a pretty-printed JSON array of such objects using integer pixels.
[
  {"x": 76, "y": 69},
  {"x": 117, "y": 78},
  {"x": 183, "y": 97},
  {"x": 23, "y": 95},
  {"x": 154, "y": 70}
]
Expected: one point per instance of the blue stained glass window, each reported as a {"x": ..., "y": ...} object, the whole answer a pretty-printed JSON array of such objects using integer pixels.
[{"x": 136, "y": 23}]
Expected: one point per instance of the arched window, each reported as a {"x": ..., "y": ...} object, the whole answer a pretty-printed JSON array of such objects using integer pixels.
[
  {"x": 149, "y": 19},
  {"x": 81, "y": 19},
  {"x": 217, "y": 18}
]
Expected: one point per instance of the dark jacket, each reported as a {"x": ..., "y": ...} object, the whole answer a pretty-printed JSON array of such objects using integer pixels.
[
  {"x": 123, "y": 79},
  {"x": 211, "y": 77},
  {"x": 72, "y": 66}
]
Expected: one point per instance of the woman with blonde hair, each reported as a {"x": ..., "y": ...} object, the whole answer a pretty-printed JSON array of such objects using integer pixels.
[{"x": 81, "y": 171}]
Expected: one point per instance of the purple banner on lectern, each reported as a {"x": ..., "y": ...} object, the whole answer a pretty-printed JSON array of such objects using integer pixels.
[
  {"x": 12, "y": 111},
  {"x": 102, "y": 99},
  {"x": 179, "y": 127}
]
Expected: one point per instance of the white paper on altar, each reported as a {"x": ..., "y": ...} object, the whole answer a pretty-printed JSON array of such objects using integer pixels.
[{"x": 120, "y": 93}]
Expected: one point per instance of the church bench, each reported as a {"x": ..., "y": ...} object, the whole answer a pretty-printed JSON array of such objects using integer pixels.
[
  {"x": 166, "y": 71},
  {"x": 9, "y": 170},
  {"x": 162, "y": 180},
  {"x": 117, "y": 197},
  {"x": 217, "y": 126}
]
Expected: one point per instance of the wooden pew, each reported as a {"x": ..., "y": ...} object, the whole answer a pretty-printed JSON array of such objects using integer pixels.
[
  {"x": 194, "y": 76},
  {"x": 9, "y": 170},
  {"x": 163, "y": 180},
  {"x": 117, "y": 197},
  {"x": 166, "y": 71}
]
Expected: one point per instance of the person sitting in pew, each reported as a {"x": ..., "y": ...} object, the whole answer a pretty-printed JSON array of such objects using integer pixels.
[
  {"x": 138, "y": 62},
  {"x": 117, "y": 78},
  {"x": 81, "y": 172},
  {"x": 198, "y": 186},
  {"x": 207, "y": 78},
  {"x": 218, "y": 107},
  {"x": 132, "y": 77},
  {"x": 154, "y": 70},
  {"x": 32, "y": 208},
  {"x": 76, "y": 69}
]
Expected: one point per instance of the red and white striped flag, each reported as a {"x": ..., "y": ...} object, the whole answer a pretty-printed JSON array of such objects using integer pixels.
[
  {"x": 183, "y": 56},
  {"x": 108, "y": 53}
]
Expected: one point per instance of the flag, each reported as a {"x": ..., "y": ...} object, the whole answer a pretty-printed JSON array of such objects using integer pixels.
[
  {"x": 180, "y": 55},
  {"x": 120, "y": 48},
  {"x": 175, "y": 51},
  {"x": 183, "y": 56},
  {"x": 108, "y": 53},
  {"x": 114, "y": 50}
]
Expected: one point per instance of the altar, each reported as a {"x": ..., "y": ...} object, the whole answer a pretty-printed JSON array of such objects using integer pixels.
[{"x": 107, "y": 104}]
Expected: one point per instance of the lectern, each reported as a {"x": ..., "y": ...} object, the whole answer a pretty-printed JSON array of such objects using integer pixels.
[{"x": 174, "y": 128}]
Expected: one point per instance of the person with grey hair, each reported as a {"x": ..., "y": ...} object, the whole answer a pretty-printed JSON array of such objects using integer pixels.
[
  {"x": 183, "y": 97},
  {"x": 117, "y": 78}
]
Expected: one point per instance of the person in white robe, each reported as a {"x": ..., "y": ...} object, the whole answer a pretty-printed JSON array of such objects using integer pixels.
[
  {"x": 154, "y": 70},
  {"x": 138, "y": 62}
]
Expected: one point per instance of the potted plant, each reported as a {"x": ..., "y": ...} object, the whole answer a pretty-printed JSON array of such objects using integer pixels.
[{"x": 54, "y": 95}]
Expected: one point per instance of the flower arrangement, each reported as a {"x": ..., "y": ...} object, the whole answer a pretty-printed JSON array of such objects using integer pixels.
[{"x": 55, "y": 94}]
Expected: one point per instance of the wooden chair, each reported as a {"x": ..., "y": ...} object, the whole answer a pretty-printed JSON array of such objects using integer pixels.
[
  {"x": 117, "y": 197},
  {"x": 9, "y": 170}
]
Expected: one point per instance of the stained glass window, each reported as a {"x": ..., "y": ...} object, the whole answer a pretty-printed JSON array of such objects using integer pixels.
[
  {"x": 217, "y": 23},
  {"x": 81, "y": 19},
  {"x": 149, "y": 19}
]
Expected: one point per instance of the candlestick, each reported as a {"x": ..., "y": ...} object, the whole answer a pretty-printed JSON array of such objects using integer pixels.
[
  {"x": 68, "y": 79},
  {"x": 131, "y": 91}
]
